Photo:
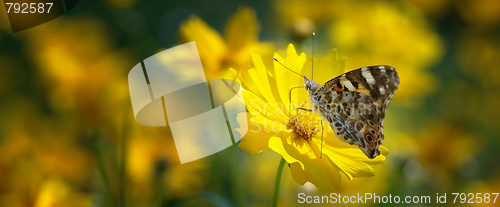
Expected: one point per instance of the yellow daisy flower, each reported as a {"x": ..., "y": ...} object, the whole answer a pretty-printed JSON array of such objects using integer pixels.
[
  {"x": 274, "y": 122},
  {"x": 217, "y": 53}
]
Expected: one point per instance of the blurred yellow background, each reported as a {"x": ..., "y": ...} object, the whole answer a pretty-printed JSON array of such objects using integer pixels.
[{"x": 68, "y": 136}]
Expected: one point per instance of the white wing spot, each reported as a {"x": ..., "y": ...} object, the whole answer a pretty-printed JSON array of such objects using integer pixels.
[
  {"x": 381, "y": 67},
  {"x": 387, "y": 86},
  {"x": 382, "y": 90},
  {"x": 349, "y": 85},
  {"x": 368, "y": 76}
]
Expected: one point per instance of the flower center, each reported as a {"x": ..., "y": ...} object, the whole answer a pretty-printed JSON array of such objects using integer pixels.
[{"x": 305, "y": 124}]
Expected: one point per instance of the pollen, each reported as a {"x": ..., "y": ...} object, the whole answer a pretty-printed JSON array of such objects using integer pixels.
[{"x": 304, "y": 124}]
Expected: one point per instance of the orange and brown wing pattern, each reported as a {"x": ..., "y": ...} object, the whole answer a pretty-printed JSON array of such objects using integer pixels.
[
  {"x": 378, "y": 82},
  {"x": 354, "y": 104}
]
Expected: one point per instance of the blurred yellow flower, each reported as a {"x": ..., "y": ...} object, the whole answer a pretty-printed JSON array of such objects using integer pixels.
[
  {"x": 301, "y": 16},
  {"x": 81, "y": 69},
  {"x": 398, "y": 35},
  {"x": 440, "y": 154},
  {"x": 434, "y": 8},
  {"x": 478, "y": 55},
  {"x": 56, "y": 192},
  {"x": 218, "y": 54},
  {"x": 480, "y": 13},
  {"x": 485, "y": 191},
  {"x": 152, "y": 161},
  {"x": 296, "y": 135}
]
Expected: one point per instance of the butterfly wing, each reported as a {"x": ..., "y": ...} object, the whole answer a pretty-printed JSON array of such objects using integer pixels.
[{"x": 354, "y": 104}]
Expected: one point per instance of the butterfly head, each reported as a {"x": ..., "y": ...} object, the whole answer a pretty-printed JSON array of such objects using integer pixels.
[{"x": 310, "y": 85}]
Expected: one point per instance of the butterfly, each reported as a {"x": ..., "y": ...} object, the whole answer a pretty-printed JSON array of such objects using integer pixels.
[{"x": 354, "y": 104}]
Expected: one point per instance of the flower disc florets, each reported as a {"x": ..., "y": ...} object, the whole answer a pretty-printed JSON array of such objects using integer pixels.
[{"x": 304, "y": 124}]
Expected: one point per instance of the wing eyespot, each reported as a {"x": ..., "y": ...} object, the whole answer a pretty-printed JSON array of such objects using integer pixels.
[
  {"x": 371, "y": 123},
  {"x": 369, "y": 138}
]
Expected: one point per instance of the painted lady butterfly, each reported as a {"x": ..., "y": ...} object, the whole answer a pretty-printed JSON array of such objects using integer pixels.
[{"x": 354, "y": 104}]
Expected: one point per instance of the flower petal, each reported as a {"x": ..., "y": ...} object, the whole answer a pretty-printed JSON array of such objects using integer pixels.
[
  {"x": 258, "y": 107},
  {"x": 259, "y": 76},
  {"x": 350, "y": 160},
  {"x": 296, "y": 149},
  {"x": 286, "y": 79},
  {"x": 209, "y": 42},
  {"x": 255, "y": 140},
  {"x": 325, "y": 68}
]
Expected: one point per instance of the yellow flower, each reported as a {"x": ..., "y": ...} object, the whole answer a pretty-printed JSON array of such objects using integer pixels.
[
  {"x": 82, "y": 70},
  {"x": 152, "y": 161},
  {"x": 480, "y": 13},
  {"x": 300, "y": 16},
  {"x": 274, "y": 122},
  {"x": 396, "y": 35},
  {"x": 434, "y": 8},
  {"x": 217, "y": 53},
  {"x": 56, "y": 192}
]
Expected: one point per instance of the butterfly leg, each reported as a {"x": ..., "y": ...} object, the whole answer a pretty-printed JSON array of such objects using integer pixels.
[
  {"x": 309, "y": 110},
  {"x": 290, "y": 95}
]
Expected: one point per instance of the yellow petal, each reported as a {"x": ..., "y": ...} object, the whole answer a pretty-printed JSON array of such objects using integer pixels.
[
  {"x": 325, "y": 68},
  {"x": 296, "y": 149},
  {"x": 301, "y": 177},
  {"x": 286, "y": 79},
  {"x": 255, "y": 140},
  {"x": 261, "y": 79},
  {"x": 258, "y": 107},
  {"x": 350, "y": 160},
  {"x": 209, "y": 42}
]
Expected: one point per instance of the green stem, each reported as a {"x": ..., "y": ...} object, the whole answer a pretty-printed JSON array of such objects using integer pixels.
[
  {"x": 101, "y": 166},
  {"x": 278, "y": 182}
]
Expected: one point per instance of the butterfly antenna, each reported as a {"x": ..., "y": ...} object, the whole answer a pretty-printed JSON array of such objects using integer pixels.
[
  {"x": 286, "y": 67},
  {"x": 312, "y": 61}
]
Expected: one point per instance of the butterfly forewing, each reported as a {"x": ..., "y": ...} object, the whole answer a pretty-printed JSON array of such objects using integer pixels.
[{"x": 354, "y": 104}]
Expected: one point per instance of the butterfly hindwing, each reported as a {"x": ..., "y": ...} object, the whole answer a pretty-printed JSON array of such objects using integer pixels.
[{"x": 353, "y": 117}]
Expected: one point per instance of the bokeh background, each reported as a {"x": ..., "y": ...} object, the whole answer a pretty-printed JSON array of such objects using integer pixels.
[{"x": 68, "y": 136}]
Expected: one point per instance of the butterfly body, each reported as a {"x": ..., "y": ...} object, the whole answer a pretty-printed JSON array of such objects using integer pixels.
[{"x": 354, "y": 105}]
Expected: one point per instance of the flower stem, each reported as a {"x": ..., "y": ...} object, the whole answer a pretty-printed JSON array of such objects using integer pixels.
[{"x": 278, "y": 182}]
